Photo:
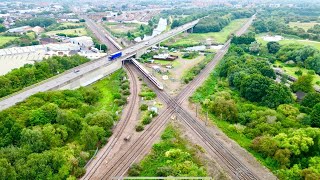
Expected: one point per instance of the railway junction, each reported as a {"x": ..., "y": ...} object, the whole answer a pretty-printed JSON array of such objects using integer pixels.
[{"x": 118, "y": 166}]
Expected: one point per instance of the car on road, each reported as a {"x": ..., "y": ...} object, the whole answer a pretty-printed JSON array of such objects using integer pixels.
[{"x": 76, "y": 70}]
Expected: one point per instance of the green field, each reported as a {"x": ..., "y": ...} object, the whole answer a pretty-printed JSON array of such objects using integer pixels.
[
  {"x": 78, "y": 31},
  {"x": 121, "y": 29},
  {"x": 6, "y": 39},
  {"x": 304, "y": 26},
  {"x": 291, "y": 71},
  {"x": 201, "y": 38},
  {"x": 290, "y": 41},
  {"x": 65, "y": 24},
  {"x": 172, "y": 156}
]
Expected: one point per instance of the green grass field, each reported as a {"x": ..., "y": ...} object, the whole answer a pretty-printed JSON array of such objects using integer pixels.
[
  {"x": 290, "y": 41},
  {"x": 304, "y": 26},
  {"x": 108, "y": 87},
  {"x": 291, "y": 71},
  {"x": 6, "y": 39},
  {"x": 121, "y": 28},
  {"x": 78, "y": 31},
  {"x": 172, "y": 156},
  {"x": 201, "y": 38},
  {"x": 65, "y": 24}
]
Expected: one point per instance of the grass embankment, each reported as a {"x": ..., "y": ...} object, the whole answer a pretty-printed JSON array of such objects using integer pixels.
[
  {"x": 121, "y": 30},
  {"x": 69, "y": 32},
  {"x": 303, "y": 25},
  {"x": 191, "y": 73},
  {"x": 146, "y": 115},
  {"x": 291, "y": 71},
  {"x": 172, "y": 156},
  {"x": 290, "y": 40},
  {"x": 194, "y": 39},
  {"x": 6, "y": 39}
]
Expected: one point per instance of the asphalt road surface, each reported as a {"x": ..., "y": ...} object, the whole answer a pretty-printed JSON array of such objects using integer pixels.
[{"x": 52, "y": 83}]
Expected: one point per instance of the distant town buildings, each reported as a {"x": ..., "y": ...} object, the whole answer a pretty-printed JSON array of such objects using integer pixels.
[
  {"x": 25, "y": 29},
  {"x": 16, "y": 57}
]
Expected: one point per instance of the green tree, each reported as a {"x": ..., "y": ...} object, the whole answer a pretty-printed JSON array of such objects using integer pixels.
[
  {"x": 2, "y": 28},
  {"x": 311, "y": 99},
  {"x": 102, "y": 119},
  {"x": 313, "y": 63},
  {"x": 33, "y": 139},
  {"x": 7, "y": 171},
  {"x": 265, "y": 144},
  {"x": 273, "y": 47},
  {"x": 254, "y": 87},
  {"x": 254, "y": 47},
  {"x": 315, "y": 116},
  {"x": 283, "y": 157},
  {"x": 91, "y": 135},
  {"x": 224, "y": 107},
  {"x": 304, "y": 84},
  {"x": 277, "y": 94}
]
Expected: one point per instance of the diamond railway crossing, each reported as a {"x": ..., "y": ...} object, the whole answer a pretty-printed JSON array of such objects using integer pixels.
[
  {"x": 98, "y": 168},
  {"x": 116, "y": 169}
]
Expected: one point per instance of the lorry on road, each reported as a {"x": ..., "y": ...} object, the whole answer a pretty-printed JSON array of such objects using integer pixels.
[{"x": 115, "y": 55}]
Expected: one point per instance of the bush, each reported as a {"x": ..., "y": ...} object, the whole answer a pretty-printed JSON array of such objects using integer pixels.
[
  {"x": 125, "y": 92},
  {"x": 146, "y": 120},
  {"x": 119, "y": 102},
  {"x": 298, "y": 73},
  {"x": 139, "y": 128},
  {"x": 143, "y": 107},
  {"x": 117, "y": 96},
  {"x": 134, "y": 170},
  {"x": 311, "y": 72}
]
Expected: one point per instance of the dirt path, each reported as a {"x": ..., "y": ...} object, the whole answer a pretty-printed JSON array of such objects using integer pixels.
[{"x": 174, "y": 84}]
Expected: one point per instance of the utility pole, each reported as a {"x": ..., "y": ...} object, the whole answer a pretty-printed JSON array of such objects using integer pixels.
[
  {"x": 207, "y": 118},
  {"x": 197, "y": 110}
]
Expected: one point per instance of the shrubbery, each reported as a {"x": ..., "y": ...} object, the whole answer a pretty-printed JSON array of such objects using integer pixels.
[
  {"x": 262, "y": 116},
  {"x": 172, "y": 148},
  {"x": 190, "y": 74},
  {"x": 51, "y": 135}
]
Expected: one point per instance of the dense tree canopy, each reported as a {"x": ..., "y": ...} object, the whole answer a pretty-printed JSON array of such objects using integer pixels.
[
  {"x": 273, "y": 47},
  {"x": 51, "y": 135},
  {"x": 282, "y": 132},
  {"x": 43, "y": 22}
]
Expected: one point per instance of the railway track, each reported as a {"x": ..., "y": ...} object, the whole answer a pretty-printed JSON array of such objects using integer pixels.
[
  {"x": 122, "y": 124},
  {"x": 238, "y": 169},
  {"x": 120, "y": 167}
]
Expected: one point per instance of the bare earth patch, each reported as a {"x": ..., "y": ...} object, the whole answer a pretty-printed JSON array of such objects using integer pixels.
[{"x": 173, "y": 85}]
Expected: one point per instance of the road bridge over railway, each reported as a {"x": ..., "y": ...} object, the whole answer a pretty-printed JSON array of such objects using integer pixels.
[
  {"x": 94, "y": 70},
  {"x": 237, "y": 168}
]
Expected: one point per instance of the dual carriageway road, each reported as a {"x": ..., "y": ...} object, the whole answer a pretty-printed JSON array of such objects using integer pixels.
[{"x": 83, "y": 69}]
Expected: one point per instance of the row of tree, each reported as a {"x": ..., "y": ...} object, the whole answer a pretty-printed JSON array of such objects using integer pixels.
[
  {"x": 42, "y": 22},
  {"x": 278, "y": 22},
  {"x": 215, "y": 23},
  {"x": 303, "y": 56},
  {"x": 27, "y": 75}
]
